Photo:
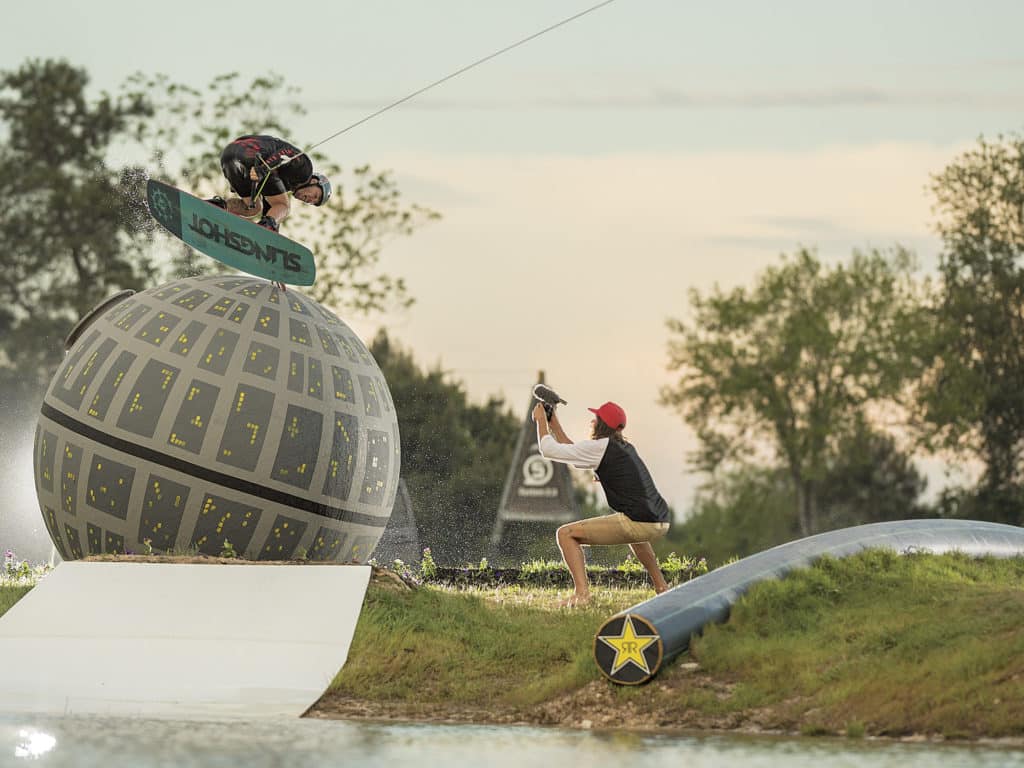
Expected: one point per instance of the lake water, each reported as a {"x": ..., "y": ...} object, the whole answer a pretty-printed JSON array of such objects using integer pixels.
[{"x": 89, "y": 741}]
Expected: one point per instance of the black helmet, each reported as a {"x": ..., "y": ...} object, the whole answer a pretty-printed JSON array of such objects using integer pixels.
[{"x": 319, "y": 180}]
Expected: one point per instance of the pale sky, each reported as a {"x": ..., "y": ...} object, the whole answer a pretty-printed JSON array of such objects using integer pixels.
[{"x": 589, "y": 178}]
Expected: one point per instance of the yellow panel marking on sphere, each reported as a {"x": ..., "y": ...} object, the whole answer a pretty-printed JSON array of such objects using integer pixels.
[{"x": 168, "y": 378}]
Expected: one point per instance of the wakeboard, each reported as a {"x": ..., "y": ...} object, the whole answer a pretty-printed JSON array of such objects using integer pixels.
[{"x": 230, "y": 239}]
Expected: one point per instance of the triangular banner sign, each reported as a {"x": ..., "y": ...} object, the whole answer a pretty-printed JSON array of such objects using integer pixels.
[{"x": 536, "y": 489}]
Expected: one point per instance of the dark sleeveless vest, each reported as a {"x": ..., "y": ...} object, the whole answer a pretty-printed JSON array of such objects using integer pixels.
[{"x": 628, "y": 485}]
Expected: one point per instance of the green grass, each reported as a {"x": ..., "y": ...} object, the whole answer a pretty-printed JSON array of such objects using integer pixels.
[
  {"x": 882, "y": 643},
  {"x": 10, "y": 595},
  {"x": 876, "y": 644},
  {"x": 512, "y": 645}
]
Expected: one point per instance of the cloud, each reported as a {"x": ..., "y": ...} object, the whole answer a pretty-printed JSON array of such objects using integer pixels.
[{"x": 836, "y": 97}]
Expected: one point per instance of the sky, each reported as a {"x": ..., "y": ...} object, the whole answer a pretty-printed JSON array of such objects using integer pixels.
[{"x": 589, "y": 179}]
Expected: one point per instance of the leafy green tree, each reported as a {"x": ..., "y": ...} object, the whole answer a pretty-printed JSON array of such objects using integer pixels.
[
  {"x": 66, "y": 240},
  {"x": 75, "y": 229},
  {"x": 748, "y": 509},
  {"x": 794, "y": 364},
  {"x": 741, "y": 511},
  {"x": 455, "y": 454},
  {"x": 870, "y": 480},
  {"x": 974, "y": 400}
]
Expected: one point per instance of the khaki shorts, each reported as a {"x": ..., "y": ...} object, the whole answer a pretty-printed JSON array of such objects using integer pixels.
[{"x": 616, "y": 529}]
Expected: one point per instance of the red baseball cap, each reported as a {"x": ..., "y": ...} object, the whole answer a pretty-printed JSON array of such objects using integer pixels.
[{"x": 611, "y": 414}]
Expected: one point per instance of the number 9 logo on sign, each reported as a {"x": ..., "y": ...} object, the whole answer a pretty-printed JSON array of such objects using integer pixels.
[{"x": 537, "y": 471}]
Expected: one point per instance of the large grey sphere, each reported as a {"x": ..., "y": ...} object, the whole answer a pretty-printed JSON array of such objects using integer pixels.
[{"x": 212, "y": 409}]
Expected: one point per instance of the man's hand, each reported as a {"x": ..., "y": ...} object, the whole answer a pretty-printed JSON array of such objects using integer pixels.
[{"x": 539, "y": 413}]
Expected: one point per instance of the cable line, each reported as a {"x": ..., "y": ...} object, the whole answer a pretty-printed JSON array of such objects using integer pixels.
[{"x": 446, "y": 78}]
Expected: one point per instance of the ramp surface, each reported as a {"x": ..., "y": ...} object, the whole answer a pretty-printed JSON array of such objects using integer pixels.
[
  {"x": 631, "y": 646},
  {"x": 179, "y": 640}
]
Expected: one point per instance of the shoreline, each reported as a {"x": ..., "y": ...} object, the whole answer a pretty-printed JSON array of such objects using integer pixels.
[
  {"x": 767, "y": 672},
  {"x": 608, "y": 719}
]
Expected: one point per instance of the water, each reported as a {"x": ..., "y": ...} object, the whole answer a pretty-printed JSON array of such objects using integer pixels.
[{"x": 90, "y": 741}]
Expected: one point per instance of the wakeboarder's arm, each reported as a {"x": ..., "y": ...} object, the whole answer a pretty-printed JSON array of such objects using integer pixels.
[
  {"x": 556, "y": 429},
  {"x": 280, "y": 206},
  {"x": 586, "y": 454},
  {"x": 541, "y": 417}
]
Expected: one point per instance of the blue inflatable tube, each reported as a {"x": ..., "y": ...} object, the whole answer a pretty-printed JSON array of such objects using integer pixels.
[{"x": 631, "y": 646}]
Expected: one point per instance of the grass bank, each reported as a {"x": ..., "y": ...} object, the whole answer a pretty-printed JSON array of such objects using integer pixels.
[
  {"x": 10, "y": 595},
  {"x": 876, "y": 644},
  {"x": 871, "y": 645}
]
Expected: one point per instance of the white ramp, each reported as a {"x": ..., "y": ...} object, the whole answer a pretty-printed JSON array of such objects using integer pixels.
[{"x": 179, "y": 640}]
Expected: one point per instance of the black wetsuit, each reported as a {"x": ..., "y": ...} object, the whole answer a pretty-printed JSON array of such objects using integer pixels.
[{"x": 241, "y": 155}]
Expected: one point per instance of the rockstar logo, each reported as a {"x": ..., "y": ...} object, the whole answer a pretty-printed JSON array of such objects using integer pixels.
[{"x": 627, "y": 655}]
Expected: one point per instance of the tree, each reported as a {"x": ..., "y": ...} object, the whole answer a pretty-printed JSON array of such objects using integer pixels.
[
  {"x": 749, "y": 508},
  {"x": 796, "y": 363},
  {"x": 974, "y": 401},
  {"x": 741, "y": 511},
  {"x": 66, "y": 241},
  {"x": 455, "y": 454},
  {"x": 870, "y": 480},
  {"x": 74, "y": 226}
]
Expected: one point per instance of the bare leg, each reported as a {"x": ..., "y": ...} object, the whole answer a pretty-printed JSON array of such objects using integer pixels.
[
  {"x": 570, "y": 540},
  {"x": 645, "y": 554}
]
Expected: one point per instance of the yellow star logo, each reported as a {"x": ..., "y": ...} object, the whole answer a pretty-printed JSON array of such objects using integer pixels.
[{"x": 629, "y": 647}]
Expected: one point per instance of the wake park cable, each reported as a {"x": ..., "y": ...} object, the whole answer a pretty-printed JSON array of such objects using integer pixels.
[{"x": 445, "y": 79}]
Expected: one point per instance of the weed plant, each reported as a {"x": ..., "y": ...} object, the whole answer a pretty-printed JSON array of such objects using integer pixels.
[{"x": 17, "y": 577}]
